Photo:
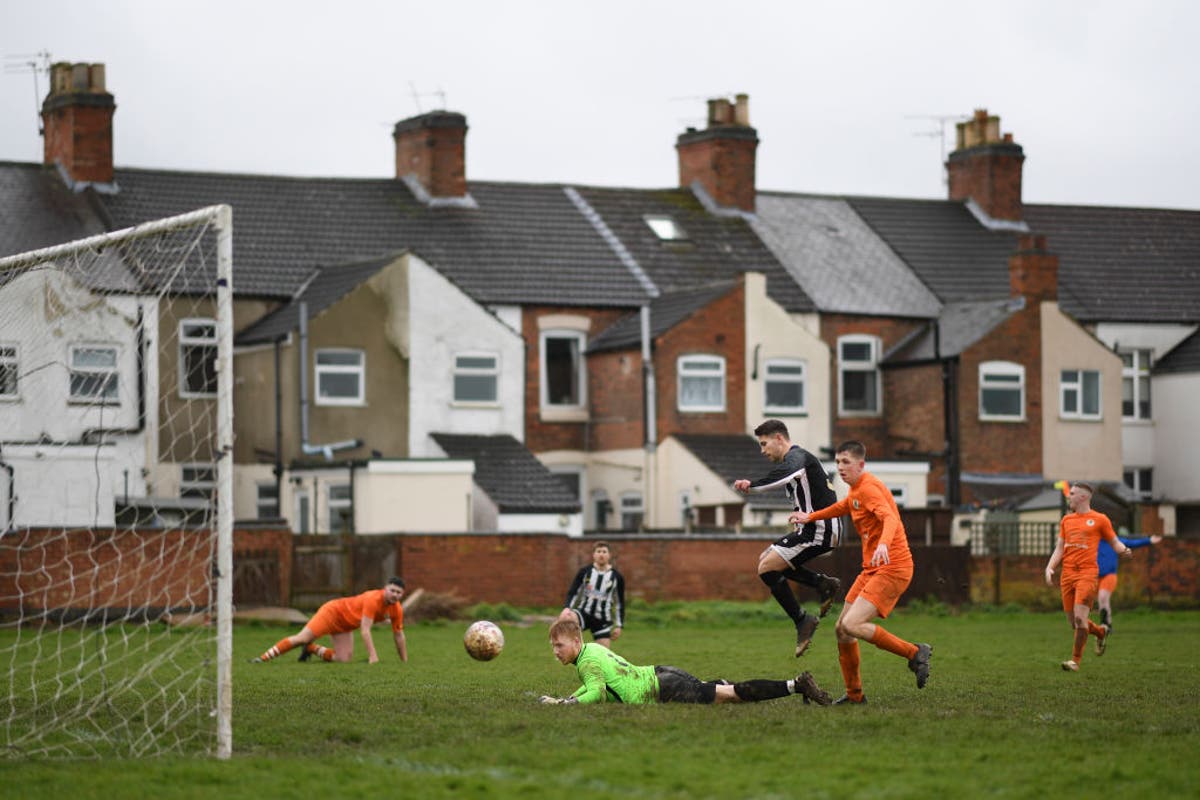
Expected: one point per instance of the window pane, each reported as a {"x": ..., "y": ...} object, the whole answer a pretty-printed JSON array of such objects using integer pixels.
[
  {"x": 475, "y": 362},
  {"x": 97, "y": 357},
  {"x": 1091, "y": 392},
  {"x": 335, "y": 358},
  {"x": 1143, "y": 384},
  {"x": 200, "y": 369},
  {"x": 858, "y": 391},
  {"x": 856, "y": 351},
  {"x": 785, "y": 395},
  {"x": 8, "y": 379},
  {"x": 1070, "y": 401},
  {"x": 475, "y": 388},
  {"x": 1001, "y": 402},
  {"x": 701, "y": 392},
  {"x": 94, "y": 385},
  {"x": 200, "y": 330},
  {"x": 783, "y": 370},
  {"x": 1127, "y": 397},
  {"x": 333, "y": 384},
  {"x": 992, "y": 377},
  {"x": 562, "y": 371},
  {"x": 339, "y": 491}
]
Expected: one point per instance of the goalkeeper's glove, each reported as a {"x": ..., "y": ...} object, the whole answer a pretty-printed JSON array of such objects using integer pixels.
[{"x": 547, "y": 700}]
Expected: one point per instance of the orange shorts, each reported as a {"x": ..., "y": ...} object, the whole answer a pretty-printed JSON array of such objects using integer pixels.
[
  {"x": 1109, "y": 582},
  {"x": 325, "y": 622},
  {"x": 1078, "y": 590},
  {"x": 882, "y": 588}
]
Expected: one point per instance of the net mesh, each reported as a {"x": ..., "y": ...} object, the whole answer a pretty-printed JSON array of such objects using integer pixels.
[{"x": 110, "y": 445}]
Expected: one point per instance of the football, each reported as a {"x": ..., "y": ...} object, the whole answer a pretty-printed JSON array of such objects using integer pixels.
[{"x": 484, "y": 640}]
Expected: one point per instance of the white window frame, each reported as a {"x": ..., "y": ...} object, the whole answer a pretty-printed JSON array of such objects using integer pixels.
[
  {"x": 476, "y": 372},
  {"x": 581, "y": 387},
  {"x": 801, "y": 378},
  {"x": 684, "y": 366},
  {"x": 359, "y": 370},
  {"x": 112, "y": 393},
  {"x": 1072, "y": 387},
  {"x": 900, "y": 495},
  {"x": 271, "y": 502},
  {"x": 10, "y": 361},
  {"x": 1136, "y": 484},
  {"x": 1141, "y": 360},
  {"x": 868, "y": 365},
  {"x": 302, "y": 503},
  {"x": 632, "y": 502},
  {"x": 335, "y": 505},
  {"x": 196, "y": 342},
  {"x": 195, "y": 485},
  {"x": 990, "y": 369}
]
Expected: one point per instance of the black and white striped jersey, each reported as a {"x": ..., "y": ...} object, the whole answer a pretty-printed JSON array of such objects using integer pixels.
[
  {"x": 808, "y": 488},
  {"x": 599, "y": 594}
]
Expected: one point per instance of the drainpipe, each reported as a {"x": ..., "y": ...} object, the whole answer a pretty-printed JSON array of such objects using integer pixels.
[
  {"x": 140, "y": 360},
  {"x": 278, "y": 430},
  {"x": 651, "y": 444},
  {"x": 12, "y": 494}
]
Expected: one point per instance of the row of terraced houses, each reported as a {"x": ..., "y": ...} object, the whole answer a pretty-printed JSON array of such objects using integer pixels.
[{"x": 425, "y": 352}]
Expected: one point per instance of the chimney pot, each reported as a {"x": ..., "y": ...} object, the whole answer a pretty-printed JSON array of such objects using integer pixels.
[
  {"x": 986, "y": 167},
  {"x": 722, "y": 156}
]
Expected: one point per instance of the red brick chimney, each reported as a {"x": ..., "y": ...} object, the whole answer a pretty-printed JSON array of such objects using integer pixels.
[
  {"x": 986, "y": 167},
  {"x": 1032, "y": 271},
  {"x": 721, "y": 157},
  {"x": 77, "y": 122},
  {"x": 433, "y": 149}
]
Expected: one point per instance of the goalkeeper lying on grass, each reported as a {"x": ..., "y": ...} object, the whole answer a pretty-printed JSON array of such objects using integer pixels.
[{"x": 609, "y": 678}]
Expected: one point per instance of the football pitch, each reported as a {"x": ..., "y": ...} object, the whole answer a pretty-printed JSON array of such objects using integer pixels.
[{"x": 999, "y": 718}]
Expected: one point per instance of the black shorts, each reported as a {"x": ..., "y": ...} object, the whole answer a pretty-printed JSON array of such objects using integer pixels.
[
  {"x": 677, "y": 686},
  {"x": 800, "y": 547},
  {"x": 600, "y": 628}
]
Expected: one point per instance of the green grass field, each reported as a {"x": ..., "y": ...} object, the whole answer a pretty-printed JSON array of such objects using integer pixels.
[{"x": 998, "y": 718}]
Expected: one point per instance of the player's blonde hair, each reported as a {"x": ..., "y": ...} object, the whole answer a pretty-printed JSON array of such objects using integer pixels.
[{"x": 565, "y": 629}]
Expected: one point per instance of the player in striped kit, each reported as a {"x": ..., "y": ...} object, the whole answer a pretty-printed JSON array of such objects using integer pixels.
[
  {"x": 803, "y": 478},
  {"x": 596, "y": 599}
]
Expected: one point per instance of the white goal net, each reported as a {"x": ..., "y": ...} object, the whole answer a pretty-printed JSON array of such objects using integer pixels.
[{"x": 116, "y": 493}]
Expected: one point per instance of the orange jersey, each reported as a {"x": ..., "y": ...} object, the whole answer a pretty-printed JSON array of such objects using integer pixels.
[
  {"x": 873, "y": 509},
  {"x": 347, "y": 613},
  {"x": 1081, "y": 535}
]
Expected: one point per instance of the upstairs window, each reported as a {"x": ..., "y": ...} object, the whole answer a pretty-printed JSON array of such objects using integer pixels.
[
  {"x": 476, "y": 376},
  {"x": 1135, "y": 384},
  {"x": 1001, "y": 391},
  {"x": 563, "y": 381},
  {"x": 197, "y": 358},
  {"x": 93, "y": 374},
  {"x": 340, "y": 377},
  {"x": 1079, "y": 394},
  {"x": 858, "y": 376},
  {"x": 9, "y": 370},
  {"x": 665, "y": 228},
  {"x": 701, "y": 383},
  {"x": 784, "y": 386}
]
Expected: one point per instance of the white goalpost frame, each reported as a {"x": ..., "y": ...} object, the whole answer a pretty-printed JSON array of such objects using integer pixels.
[{"x": 222, "y": 221}]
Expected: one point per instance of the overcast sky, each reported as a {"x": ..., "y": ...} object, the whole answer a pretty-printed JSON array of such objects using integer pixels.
[{"x": 1104, "y": 95}]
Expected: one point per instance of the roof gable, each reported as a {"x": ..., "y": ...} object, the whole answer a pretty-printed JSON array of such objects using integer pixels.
[{"x": 510, "y": 474}]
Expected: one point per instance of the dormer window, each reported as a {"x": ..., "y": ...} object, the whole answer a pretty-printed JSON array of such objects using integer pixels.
[{"x": 665, "y": 228}]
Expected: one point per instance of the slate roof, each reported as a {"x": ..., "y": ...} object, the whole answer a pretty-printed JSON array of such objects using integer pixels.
[
  {"x": 323, "y": 290},
  {"x": 38, "y": 210},
  {"x": 666, "y": 311},
  {"x": 716, "y": 248},
  {"x": 960, "y": 326},
  {"x": 733, "y": 456},
  {"x": 1183, "y": 357},
  {"x": 510, "y": 475},
  {"x": 837, "y": 259},
  {"x": 943, "y": 243},
  {"x": 1123, "y": 264}
]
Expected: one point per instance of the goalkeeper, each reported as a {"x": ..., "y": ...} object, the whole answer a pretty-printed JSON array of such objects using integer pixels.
[
  {"x": 340, "y": 618},
  {"x": 608, "y": 678}
]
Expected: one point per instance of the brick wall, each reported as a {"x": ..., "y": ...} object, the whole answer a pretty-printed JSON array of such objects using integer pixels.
[
  {"x": 119, "y": 569},
  {"x": 616, "y": 400}
]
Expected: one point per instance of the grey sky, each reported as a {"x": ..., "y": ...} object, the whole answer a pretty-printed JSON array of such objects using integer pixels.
[{"x": 1103, "y": 95}]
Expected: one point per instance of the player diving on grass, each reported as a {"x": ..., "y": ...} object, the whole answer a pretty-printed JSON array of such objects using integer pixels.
[
  {"x": 340, "y": 618},
  {"x": 608, "y": 678},
  {"x": 803, "y": 479}
]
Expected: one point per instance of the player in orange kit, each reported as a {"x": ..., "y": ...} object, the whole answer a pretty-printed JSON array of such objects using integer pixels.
[
  {"x": 339, "y": 619},
  {"x": 1078, "y": 539},
  {"x": 887, "y": 569}
]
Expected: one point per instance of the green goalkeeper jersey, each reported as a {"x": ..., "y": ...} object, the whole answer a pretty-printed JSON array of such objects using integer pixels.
[{"x": 609, "y": 678}]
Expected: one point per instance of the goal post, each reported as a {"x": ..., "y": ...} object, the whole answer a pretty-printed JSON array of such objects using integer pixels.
[{"x": 116, "y": 492}]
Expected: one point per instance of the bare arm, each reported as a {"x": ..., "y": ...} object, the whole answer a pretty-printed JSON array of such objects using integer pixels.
[
  {"x": 1055, "y": 560},
  {"x": 364, "y": 628},
  {"x": 401, "y": 645}
]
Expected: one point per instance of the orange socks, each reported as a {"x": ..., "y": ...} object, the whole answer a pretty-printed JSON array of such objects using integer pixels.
[
  {"x": 278, "y": 649},
  {"x": 1095, "y": 630},
  {"x": 893, "y": 644},
  {"x": 848, "y": 659},
  {"x": 323, "y": 653}
]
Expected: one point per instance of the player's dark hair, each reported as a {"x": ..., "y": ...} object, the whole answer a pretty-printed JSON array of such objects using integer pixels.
[
  {"x": 771, "y": 427},
  {"x": 854, "y": 448},
  {"x": 598, "y": 545},
  {"x": 1085, "y": 485},
  {"x": 396, "y": 580}
]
